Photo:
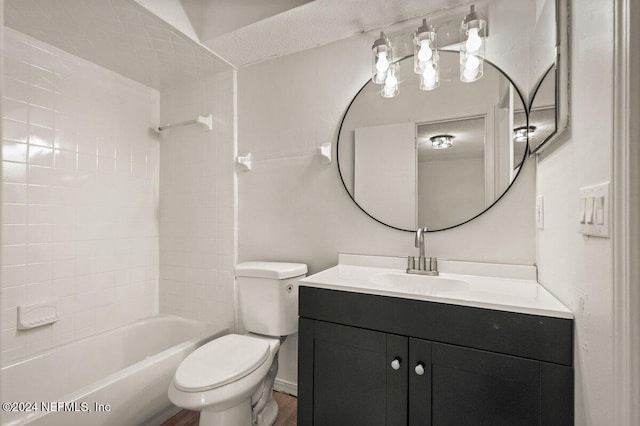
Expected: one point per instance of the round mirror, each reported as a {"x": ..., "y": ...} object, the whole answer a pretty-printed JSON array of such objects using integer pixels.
[{"x": 437, "y": 158}]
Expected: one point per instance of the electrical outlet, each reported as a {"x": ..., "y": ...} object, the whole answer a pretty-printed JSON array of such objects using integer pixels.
[{"x": 540, "y": 212}]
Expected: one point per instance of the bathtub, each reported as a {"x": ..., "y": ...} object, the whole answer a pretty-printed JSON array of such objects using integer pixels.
[{"x": 118, "y": 377}]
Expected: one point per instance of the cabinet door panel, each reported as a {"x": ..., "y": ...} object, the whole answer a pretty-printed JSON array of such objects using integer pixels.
[
  {"x": 472, "y": 387},
  {"x": 419, "y": 384},
  {"x": 351, "y": 385}
]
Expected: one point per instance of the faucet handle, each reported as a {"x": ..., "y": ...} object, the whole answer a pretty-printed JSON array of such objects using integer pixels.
[{"x": 433, "y": 263}]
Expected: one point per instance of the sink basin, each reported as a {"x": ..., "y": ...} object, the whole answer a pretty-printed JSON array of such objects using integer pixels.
[{"x": 420, "y": 284}]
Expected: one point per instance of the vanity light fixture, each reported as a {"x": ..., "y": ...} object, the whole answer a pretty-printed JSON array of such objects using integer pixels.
[
  {"x": 441, "y": 141},
  {"x": 382, "y": 59},
  {"x": 523, "y": 133},
  {"x": 425, "y": 56},
  {"x": 473, "y": 31}
]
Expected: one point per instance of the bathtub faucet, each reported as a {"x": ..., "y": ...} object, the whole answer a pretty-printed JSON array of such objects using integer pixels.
[{"x": 422, "y": 265}]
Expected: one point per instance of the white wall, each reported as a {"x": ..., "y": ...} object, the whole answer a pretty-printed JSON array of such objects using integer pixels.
[
  {"x": 577, "y": 269},
  {"x": 293, "y": 208},
  {"x": 79, "y": 195},
  {"x": 197, "y": 202}
]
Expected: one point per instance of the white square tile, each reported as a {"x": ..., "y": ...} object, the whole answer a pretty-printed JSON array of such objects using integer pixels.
[
  {"x": 14, "y": 234},
  {"x": 15, "y": 89},
  {"x": 39, "y": 116},
  {"x": 40, "y": 136},
  {"x": 39, "y": 272},
  {"x": 14, "y": 255},
  {"x": 14, "y": 172},
  {"x": 40, "y": 233},
  {"x": 13, "y": 296},
  {"x": 39, "y": 253},
  {"x": 40, "y": 291},
  {"x": 14, "y": 193},
  {"x": 40, "y": 156},
  {"x": 12, "y": 276},
  {"x": 15, "y": 131},
  {"x": 15, "y": 110}
]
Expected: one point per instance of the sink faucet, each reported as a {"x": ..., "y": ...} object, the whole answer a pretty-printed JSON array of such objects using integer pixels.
[
  {"x": 420, "y": 241},
  {"x": 422, "y": 266}
]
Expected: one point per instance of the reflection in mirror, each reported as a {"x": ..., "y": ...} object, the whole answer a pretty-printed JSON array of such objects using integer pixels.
[
  {"x": 391, "y": 153},
  {"x": 542, "y": 113}
]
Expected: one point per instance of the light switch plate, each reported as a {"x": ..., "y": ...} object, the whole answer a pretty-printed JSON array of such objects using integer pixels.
[
  {"x": 598, "y": 216},
  {"x": 540, "y": 212}
]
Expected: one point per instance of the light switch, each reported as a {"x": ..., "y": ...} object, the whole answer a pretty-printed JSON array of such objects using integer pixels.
[
  {"x": 593, "y": 215},
  {"x": 599, "y": 210},
  {"x": 589, "y": 211}
]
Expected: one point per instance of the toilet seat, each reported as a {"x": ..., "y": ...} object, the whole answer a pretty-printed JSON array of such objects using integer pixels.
[{"x": 221, "y": 361}]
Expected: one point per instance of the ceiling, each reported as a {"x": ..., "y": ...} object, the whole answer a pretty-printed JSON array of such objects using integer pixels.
[
  {"x": 119, "y": 35},
  {"x": 164, "y": 42},
  {"x": 316, "y": 23}
]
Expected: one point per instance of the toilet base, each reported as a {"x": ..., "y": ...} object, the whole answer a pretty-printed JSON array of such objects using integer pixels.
[
  {"x": 269, "y": 414},
  {"x": 239, "y": 415}
]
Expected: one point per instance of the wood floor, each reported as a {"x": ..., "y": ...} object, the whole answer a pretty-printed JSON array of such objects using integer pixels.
[{"x": 287, "y": 413}]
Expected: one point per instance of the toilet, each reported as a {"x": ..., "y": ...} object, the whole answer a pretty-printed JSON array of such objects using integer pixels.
[{"x": 230, "y": 379}]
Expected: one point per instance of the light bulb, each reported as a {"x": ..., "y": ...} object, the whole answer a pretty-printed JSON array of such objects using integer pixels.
[
  {"x": 389, "y": 91},
  {"x": 391, "y": 80},
  {"x": 470, "y": 74},
  {"x": 428, "y": 82},
  {"x": 474, "y": 42},
  {"x": 472, "y": 62},
  {"x": 382, "y": 65},
  {"x": 425, "y": 53},
  {"x": 429, "y": 72}
]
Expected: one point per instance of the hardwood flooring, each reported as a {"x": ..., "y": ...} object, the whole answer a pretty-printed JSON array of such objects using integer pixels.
[{"x": 287, "y": 413}]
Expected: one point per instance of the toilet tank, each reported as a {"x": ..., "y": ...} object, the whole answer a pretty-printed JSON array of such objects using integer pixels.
[{"x": 268, "y": 296}]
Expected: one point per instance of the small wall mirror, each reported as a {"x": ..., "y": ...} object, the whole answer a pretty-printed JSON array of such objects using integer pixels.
[
  {"x": 543, "y": 112},
  {"x": 390, "y": 150},
  {"x": 549, "y": 97}
]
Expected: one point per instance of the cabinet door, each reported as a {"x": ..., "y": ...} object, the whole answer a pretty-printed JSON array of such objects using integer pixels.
[
  {"x": 353, "y": 382},
  {"x": 472, "y": 387}
]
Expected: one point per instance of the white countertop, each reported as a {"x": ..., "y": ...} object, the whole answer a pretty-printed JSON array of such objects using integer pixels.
[{"x": 511, "y": 288}]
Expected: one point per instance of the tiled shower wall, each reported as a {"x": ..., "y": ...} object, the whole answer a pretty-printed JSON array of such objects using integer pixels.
[
  {"x": 197, "y": 193},
  {"x": 79, "y": 195}
]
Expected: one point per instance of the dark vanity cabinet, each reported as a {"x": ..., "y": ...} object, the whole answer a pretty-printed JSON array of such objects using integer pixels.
[{"x": 375, "y": 360}]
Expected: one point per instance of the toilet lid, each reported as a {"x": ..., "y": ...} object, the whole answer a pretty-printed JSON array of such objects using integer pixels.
[{"x": 220, "y": 361}]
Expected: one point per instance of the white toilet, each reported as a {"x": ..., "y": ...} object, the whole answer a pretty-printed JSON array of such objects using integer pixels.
[{"x": 230, "y": 379}]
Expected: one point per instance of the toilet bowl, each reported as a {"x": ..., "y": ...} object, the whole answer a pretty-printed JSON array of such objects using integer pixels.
[
  {"x": 230, "y": 379},
  {"x": 220, "y": 378}
]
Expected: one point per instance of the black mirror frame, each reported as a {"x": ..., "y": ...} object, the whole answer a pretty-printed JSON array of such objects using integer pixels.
[{"x": 524, "y": 158}]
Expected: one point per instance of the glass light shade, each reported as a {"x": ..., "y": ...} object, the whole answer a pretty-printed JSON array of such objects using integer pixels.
[
  {"x": 382, "y": 58},
  {"x": 424, "y": 46},
  {"x": 390, "y": 87},
  {"x": 473, "y": 31},
  {"x": 430, "y": 76},
  {"x": 471, "y": 67}
]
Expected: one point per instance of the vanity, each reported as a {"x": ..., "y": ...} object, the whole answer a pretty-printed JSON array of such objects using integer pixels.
[{"x": 481, "y": 344}]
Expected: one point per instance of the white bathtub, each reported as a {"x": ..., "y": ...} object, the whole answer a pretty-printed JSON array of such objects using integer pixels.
[{"x": 129, "y": 368}]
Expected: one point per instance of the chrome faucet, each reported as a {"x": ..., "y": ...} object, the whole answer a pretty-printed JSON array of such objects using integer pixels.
[{"x": 420, "y": 265}]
